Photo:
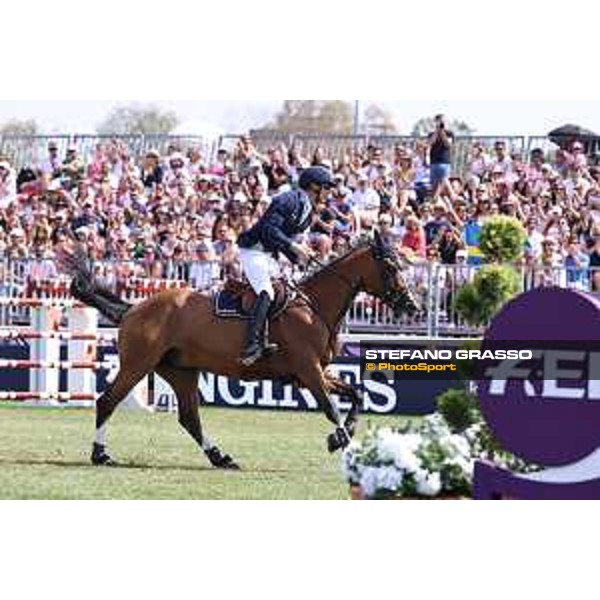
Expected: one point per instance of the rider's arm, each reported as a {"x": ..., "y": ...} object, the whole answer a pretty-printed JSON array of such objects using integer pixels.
[{"x": 272, "y": 235}]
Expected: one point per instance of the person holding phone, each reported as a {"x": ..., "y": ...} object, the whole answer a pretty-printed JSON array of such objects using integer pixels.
[{"x": 440, "y": 146}]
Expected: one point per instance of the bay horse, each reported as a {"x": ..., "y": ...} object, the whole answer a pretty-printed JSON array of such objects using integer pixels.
[{"x": 177, "y": 335}]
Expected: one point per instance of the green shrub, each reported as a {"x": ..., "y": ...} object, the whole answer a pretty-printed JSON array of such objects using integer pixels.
[
  {"x": 459, "y": 408},
  {"x": 502, "y": 239},
  {"x": 478, "y": 302}
]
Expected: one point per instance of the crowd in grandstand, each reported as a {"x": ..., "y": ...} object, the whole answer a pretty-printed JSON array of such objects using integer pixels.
[{"x": 179, "y": 214}]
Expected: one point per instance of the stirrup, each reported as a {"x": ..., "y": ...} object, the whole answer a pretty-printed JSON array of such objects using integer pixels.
[
  {"x": 269, "y": 348},
  {"x": 251, "y": 354},
  {"x": 257, "y": 351}
]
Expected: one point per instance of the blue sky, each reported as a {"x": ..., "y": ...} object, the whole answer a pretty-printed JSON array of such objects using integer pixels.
[{"x": 487, "y": 117}]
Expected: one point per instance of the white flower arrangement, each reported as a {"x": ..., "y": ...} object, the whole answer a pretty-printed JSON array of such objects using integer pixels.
[{"x": 424, "y": 460}]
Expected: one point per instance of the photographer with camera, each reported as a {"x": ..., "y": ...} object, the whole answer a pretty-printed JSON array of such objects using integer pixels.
[{"x": 440, "y": 146}]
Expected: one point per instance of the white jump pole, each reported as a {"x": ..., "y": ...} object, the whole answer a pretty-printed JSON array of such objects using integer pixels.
[
  {"x": 43, "y": 318},
  {"x": 82, "y": 320}
]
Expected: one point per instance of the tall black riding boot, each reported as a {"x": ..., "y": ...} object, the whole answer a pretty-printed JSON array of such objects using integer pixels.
[{"x": 257, "y": 346}]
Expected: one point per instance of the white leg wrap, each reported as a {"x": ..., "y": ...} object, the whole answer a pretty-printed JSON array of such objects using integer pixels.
[
  {"x": 101, "y": 435},
  {"x": 207, "y": 444}
]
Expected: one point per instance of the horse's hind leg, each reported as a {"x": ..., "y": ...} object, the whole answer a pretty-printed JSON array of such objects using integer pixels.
[
  {"x": 105, "y": 406},
  {"x": 185, "y": 385}
]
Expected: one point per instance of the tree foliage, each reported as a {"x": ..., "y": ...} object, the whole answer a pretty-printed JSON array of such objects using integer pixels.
[
  {"x": 135, "y": 119},
  {"x": 378, "y": 120},
  {"x": 19, "y": 127},
  {"x": 314, "y": 116},
  {"x": 426, "y": 125},
  {"x": 330, "y": 116}
]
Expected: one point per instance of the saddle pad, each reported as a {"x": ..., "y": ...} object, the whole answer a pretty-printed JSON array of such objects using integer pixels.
[{"x": 229, "y": 306}]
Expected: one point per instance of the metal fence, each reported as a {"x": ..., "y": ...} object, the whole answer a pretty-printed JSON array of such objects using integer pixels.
[
  {"x": 337, "y": 146},
  {"x": 436, "y": 285},
  {"x": 31, "y": 150},
  {"x": 25, "y": 150}
]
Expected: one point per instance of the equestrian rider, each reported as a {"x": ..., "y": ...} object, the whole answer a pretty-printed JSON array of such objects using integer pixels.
[{"x": 289, "y": 214}]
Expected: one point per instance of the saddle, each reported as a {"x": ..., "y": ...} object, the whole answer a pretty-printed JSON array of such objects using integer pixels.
[{"x": 236, "y": 299}]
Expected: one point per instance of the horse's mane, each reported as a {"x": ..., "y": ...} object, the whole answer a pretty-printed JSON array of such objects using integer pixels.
[{"x": 359, "y": 244}]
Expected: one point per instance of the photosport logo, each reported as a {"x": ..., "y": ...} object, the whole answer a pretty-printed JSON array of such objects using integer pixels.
[
  {"x": 546, "y": 409},
  {"x": 434, "y": 359}
]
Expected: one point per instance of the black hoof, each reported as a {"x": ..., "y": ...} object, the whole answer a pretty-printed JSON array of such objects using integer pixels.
[
  {"x": 337, "y": 440},
  {"x": 100, "y": 458},
  {"x": 221, "y": 461}
]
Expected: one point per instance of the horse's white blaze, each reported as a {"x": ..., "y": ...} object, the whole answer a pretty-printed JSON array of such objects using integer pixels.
[{"x": 101, "y": 435}]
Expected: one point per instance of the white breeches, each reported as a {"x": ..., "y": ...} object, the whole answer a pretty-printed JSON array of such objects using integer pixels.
[{"x": 259, "y": 267}]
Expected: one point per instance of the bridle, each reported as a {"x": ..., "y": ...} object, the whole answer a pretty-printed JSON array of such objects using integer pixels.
[{"x": 391, "y": 270}]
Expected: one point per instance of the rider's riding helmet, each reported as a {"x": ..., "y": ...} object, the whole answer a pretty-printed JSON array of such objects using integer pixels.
[{"x": 319, "y": 176}]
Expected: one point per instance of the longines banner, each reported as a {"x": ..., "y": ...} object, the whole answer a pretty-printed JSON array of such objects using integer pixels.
[{"x": 380, "y": 395}]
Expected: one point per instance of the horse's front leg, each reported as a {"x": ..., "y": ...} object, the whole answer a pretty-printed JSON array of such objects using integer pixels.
[
  {"x": 336, "y": 385},
  {"x": 315, "y": 380}
]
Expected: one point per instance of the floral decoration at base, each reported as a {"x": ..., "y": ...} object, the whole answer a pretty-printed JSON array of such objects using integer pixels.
[
  {"x": 431, "y": 458},
  {"x": 422, "y": 461}
]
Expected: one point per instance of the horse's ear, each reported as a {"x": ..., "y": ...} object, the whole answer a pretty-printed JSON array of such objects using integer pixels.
[
  {"x": 377, "y": 239},
  {"x": 377, "y": 245}
]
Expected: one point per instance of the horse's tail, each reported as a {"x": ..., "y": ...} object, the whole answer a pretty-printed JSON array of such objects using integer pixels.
[{"x": 85, "y": 289}]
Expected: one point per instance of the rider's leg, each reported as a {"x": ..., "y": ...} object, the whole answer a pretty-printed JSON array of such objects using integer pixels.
[
  {"x": 256, "y": 344},
  {"x": 257, "y": 267}
]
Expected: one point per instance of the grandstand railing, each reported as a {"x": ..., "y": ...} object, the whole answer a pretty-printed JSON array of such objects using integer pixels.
[
  {"x": 28, "y": 150},
  {"x": 437, "y": 286},
  {"x": 25, "y": 150},
  {"x": 337, "y": 146}
]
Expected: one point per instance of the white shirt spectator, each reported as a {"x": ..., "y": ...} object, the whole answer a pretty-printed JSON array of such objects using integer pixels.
[
  {"x": 534, "y": 241},
  {"x": 505, "y": 164},
  {"x": 50, "y": 165},
  {"x": 365, "y": 197},
  {"x": 204, "y": 274}
]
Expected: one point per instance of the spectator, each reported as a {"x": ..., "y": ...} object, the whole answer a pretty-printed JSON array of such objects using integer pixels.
[
  {"x": 405, "y": 176},
  {"x": 577, "y": 263},
  {"x": 440, "y": 221},
  {"x": 276, "y": 171},
  {"x": 501, "y": 162},
  {"x": 414, "y": 241},
  {"x": 448, "y": 245},
  {"x": 72, "y": 170},
  {"x": 440, "y": 146},
  {"x": 152, "y": 171},
  {"x": 52, "y": 165},
  {"x": 479, "y": 161},
  {"x": 221, "y": 165},
  {"x": 17, "y": 245},
  {"x": 366, "y": 203}
]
